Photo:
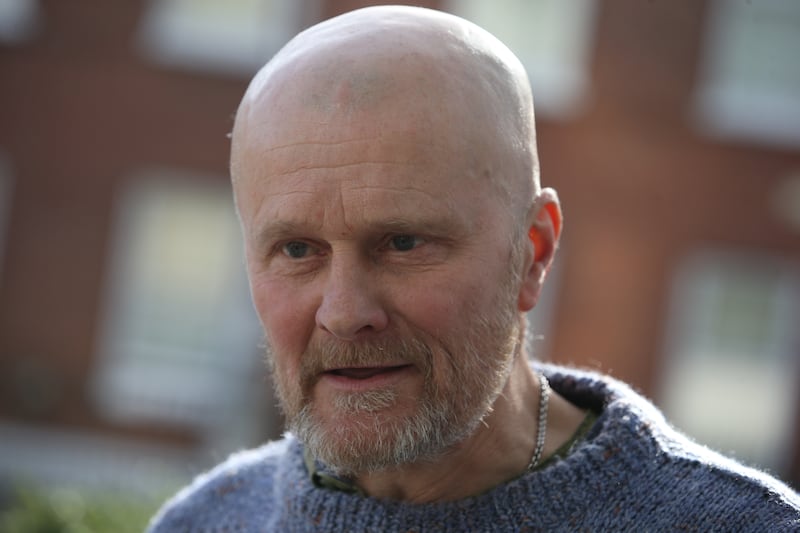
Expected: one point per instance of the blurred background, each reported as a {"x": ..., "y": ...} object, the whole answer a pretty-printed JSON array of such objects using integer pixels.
[{"x": 129, "y": 350}]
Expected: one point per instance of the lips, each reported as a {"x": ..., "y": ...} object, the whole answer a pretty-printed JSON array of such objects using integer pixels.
[{"x": 365, "y": 372}]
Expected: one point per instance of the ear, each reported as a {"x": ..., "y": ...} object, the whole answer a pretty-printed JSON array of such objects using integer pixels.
[{"x": 544, "y": 230}]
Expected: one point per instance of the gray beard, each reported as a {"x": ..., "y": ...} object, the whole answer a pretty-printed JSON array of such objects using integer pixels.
[
  {"x": 379, "y": 445},
  {"x": 441, "y": 419}
]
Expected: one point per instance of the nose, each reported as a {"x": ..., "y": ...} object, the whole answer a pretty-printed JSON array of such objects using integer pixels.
[{"x": 350, "y": 306}]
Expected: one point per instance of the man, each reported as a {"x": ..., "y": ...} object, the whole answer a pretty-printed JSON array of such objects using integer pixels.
[{"x": 385, "y": 172}]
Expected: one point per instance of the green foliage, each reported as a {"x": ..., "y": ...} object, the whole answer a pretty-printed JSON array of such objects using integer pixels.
[{"x": 70, "y": 511}]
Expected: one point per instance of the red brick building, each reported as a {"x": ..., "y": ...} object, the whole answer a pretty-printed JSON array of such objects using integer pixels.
[{"x": 671, "y": 130}]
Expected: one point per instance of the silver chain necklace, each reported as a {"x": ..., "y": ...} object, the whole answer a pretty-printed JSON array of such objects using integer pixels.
[{"x": 541, "y": 430}]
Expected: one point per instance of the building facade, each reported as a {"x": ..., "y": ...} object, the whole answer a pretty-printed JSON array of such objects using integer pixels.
[{"x": 671, "y": 130}]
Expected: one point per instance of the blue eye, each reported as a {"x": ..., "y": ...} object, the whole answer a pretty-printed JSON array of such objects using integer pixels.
[
  {"x": 404, "y": 243},
  {"x": 296, "y": 249}
]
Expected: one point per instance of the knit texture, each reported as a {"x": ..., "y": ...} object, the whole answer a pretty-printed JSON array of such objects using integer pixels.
[{"x": 633, "y": 472}]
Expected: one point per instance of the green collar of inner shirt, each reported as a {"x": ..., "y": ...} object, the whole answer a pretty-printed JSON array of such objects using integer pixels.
[{"x": 327, "y": 480}]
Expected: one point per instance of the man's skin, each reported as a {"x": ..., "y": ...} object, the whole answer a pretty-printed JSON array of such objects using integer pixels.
[{"x": 386, "y": 177}]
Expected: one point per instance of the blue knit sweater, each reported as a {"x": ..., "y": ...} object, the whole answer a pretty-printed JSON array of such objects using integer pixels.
[{"x": 632, "y": 472}]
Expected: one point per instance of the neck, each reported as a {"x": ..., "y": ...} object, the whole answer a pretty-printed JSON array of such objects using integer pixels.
[{"x": 499, "y": 450}]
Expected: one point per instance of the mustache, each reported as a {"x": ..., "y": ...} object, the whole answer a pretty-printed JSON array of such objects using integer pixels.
[{"x": 323, "y": 356}]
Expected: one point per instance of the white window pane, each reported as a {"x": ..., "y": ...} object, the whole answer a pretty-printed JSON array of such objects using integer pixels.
[
  {"x": 18, "y": 19},
  {"x": 552, "y": 38},
  {"x": 750, "y": 77},
  {"x": 235, "y": 36}
]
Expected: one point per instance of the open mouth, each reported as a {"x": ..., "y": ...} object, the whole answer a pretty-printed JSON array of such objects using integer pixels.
[{"x": 365, "y": 372}]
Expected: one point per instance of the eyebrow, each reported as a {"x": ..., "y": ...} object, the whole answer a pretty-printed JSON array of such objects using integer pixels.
[
  {"x": 275, "y": 231},
  {"x": 433, "y": 226}
]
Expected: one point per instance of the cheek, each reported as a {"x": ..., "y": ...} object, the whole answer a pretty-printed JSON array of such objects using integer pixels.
[
  {"x": 286, "y": 314},
  {"x": 442, "y": 308}
]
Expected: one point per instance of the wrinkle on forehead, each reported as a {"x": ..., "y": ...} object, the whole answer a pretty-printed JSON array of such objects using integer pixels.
[
  {"x": 295, "y": 147},
  {"x": 288, "y": 159},
  {"x": 316, "y": 166}
]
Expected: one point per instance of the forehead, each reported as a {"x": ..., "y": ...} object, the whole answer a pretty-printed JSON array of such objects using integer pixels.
[{"x": 351, "y": 173}]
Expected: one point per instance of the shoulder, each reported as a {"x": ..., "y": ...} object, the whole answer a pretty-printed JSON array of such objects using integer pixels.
[
  {"x": 715, "y": 487},
  {"x": 658, "y": 472},
  {"x": 242, "y": 488},
  {"x": 702, "y": 486}
]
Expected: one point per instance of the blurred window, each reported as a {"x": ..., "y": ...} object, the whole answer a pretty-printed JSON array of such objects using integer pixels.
[
  {"x": 234, "y": 36},
  {"x": 180, "y": 339},
  {"x": 750, "y": 77},
  {"x": 18, "y": 20},
  {"x": 552, "y": 38},
  {"x": 731, "y": 373},
  {"x": 53, "y": 457}
]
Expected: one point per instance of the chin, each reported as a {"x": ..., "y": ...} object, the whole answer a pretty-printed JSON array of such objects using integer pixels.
[{"x": 354, "y": 443}]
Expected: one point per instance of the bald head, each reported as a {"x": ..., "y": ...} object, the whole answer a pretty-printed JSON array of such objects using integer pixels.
[{"x": 397, "y": 70}]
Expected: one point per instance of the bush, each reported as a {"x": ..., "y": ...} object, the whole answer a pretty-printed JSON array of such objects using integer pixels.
[{"x": 70, "y": 511}]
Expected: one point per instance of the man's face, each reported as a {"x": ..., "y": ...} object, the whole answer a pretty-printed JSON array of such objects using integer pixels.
[{"x": 381, "y": 267}]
